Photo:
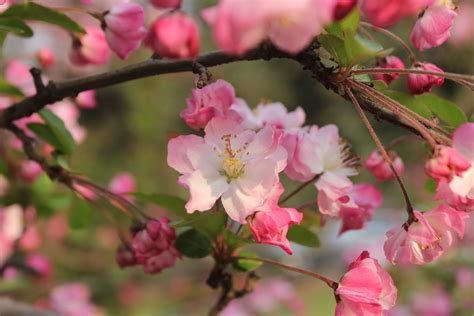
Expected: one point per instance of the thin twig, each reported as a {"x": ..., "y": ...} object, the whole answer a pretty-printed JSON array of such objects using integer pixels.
[
  {"x": 403, "y": 71},
  {"x": 299, "y": 188}
]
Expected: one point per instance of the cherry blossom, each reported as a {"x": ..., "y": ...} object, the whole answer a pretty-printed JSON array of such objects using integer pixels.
[{"x": 239, "y": 165}]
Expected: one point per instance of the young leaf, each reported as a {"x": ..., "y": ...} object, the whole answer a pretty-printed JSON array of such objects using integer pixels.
[
  {"x": 16, "y": 26},
  {"x": 410, "y": 102},
  {"x": 193, "y": 244},
  {"x": 81, "y": 213},
  {"x": 246, "y": 265},
  {"x": 336, "y": 47},
  {"x": 34, "y": 11},
  {"x": 209, "y": 223},
  {"x": 57, "y": 127},
  {"x": 303, "y": 236},
  {"x": 45, "y": 133},
  {"x": 234, "y": 241},
  {"x": 430, "y": 185},
  {"x": 444, "y": 109},
  {"x": 8, "y": 89},
  {"x": 169, "y": 202}
]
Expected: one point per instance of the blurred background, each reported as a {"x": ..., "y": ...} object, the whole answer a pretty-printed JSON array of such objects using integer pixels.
[{"x": 128, "y": 131}]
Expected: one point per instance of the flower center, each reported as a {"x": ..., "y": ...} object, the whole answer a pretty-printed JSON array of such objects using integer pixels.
[{"x": 232, "y": 166}]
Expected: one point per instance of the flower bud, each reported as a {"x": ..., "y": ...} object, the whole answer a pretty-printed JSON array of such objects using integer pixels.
[
  {"x": 446, "y": 163},
  {"x": 90, "y": 48},
  {"x": 343, "y": 8},
  {"x": 124, "y": 28},
  {"x": 418, "y": 84},
  {"x": 389, "y": 62},
  {"x": 40, "y": 264},
  {"x": 166, "y": 4},
  {"x": 125, "y": 257},
  {"x": 45, "y": 57},
  {"x": 174, "y": 35},
  {"x": 86, "y": 99},
  {"x": 381, "y": 170}
]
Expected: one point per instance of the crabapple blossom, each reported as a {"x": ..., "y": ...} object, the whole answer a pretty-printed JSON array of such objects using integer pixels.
[
  {"x": 11, "y": 228},
  {"x": 389, "y": 62},
  {"x": 343, "y": 8},
  {"x": 426, "y": 239},
  {"x": 30, "y": 170},
  {"x": 270, "y": 223},
  {"x": 122, "y": 184},
  {"x": 90, "y": 48},
  {"x": 446, "y": 163},
  {"x": 433, "y": 28},
  {"x": 86, "y": 99},
  {"x": 240, "y": 166},
  {"x": 462, "y": 32},
  {"x": 166, "y": 4},
  {"x": 381, "y": 170},
  {"x": 69, "y": 113},
  {"x": 45, "y": 57},
  {"x": 123, "y": 26},
  {"x": 385, "y": 13},
  {"x": 418, "y": 84},
  {"x": 40, "y": 264},
  {"x": 174, "y": 35},
  {"x": 366, "y": 289},
  {"x": 239, "y": 26},
  {"x": 73, "y": 299},
  {"x": 436, "y": 302},
  {"x": 214, "y": 100}
]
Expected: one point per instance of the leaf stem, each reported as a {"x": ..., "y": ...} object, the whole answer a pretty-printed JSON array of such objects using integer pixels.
[{"x": 299, "y": 188}]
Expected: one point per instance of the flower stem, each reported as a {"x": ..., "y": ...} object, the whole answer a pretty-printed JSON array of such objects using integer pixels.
[
  {"x": 331, "y": 283},
  {"x": 402, "y": 71},
  {"x": 382, "y": 150},
  {"x": 299, "y": 188}
]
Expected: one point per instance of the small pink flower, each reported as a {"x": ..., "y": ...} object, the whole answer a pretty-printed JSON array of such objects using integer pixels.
[
  {"x": 124, "y": 28},
  {"x": 426, "y": 239},
  {"x": 86, "y": 99},
  {"x": 381, "y": 170},
  {"x": 343, "y": 8},
  {"x": 446, "y": 163},
  {"x": 30, "y": 170},
  {"x": 45, "y": 57},
  {"x": 11, "y": 229},
  {"x": 73, "y": 299},
  {"x": 40, "y": 264},
  {"x": 174, "y": 35},
  {"x": 90, "y": 48},
  {"x": 418, "y": 84},
  {"x": 214, "y": 100},
  {"x": 270, "y": 223},
  {"x": 389, "y": 62},
  {"x": 31, "y": 239},
  {"x": 366, "y": 289},
  {"x": 166, "y": 4},
  {"x": 433, "y": 28},
  {"x": 462, "y": 33},
  {"x": 122, "y": 184},
  {"x": 435, "y": 302},
  {"x": 385, "y": 13}
]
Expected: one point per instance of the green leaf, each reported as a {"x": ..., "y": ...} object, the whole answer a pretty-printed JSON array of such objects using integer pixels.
[
  {"x": 410, "y": 102},
  {"x": 444, "y": 109},
  {"x": 8, "y": 89},
  {"x": 336, "y": 47},
  {"x": 379, "y": 85},
  {"x": 210, "y": 223},
  {"x": 234, "y": 241},
  {"x": 16, "y": 26},
  {"x": 45, "y": 133},
  {"x": 303, "y": 236},
  {"x": 359, "y": 48},
  {"x": 81, "y": 213},
  {"x": 430, "y": 185},
  {"x": 169, "y": 202},
  {"x": 65, "y": 141},
  {"x": 193, "y": 244},
  {"x": 34, "y": 11},
  {"x": 471, "y": 119},
  {"x": 246, "y": 265},
  {"x": 351, "y": 22}
]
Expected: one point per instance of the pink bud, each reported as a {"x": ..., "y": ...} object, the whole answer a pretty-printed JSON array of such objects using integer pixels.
[
  {"x": 90, "y": 48},
  {"x": 40, "y": 264},
  {"x": 122, "y": 184},
  {"x": 30, "y": 170},
  {"x": 45, "y": 57},
  {"x": 389, "y": 62},
  {"x": 166, "y": 4},
  {"x": 385, "y": 13},
  {"x": 86, "y": 99},
  {"x": 380, "y": 168},
  {"x": 366, "y": 289},
  {"x": 418, "y": 84},
  {"x": 343, "y": 8},
  {"x": 174, "y": 35},
  {"x": 125, "y": 257},
  {"x": 124, "y": 28},
  {"x": 446, "y": 163},
  {"x": 31, "y": 239},
  {"x": 433, "y": 27}
]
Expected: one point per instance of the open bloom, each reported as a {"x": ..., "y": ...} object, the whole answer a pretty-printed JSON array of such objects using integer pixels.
[
  {"x": 270, "y": 223},
  {"x": 214, "y": 100},
  {"x": 241, "y": 166},
  {"x": 174, "y": 35},
  {"x": 446, "y": 163},
  {"x": 291, "y": 25},
  {"x": 90, "y": 48},
  {"x": 124, "y": 28},
  {"x": 426, "y": 239},
  {"x": 418, "y": 84},
  {"x": 389, "y": 62},
  {"x": 366, "y": 289},
  {"x": 385, "y": 13},
  {"x": 380, "y": 168},
  {"x": 433, "y": 28}
]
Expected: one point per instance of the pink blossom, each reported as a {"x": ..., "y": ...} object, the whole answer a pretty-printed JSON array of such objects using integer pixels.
[
  {"x": 241, "y": 166},
  {"x": 462, "y": 32},
  {"x": 343, "y": 8},
  {"x": 124, "y": 28},
  {"x": 86, "y": 99},
  {"x": 389, "y": 62},
  {"x": 446, "y": 163},
  {"x": 30, "y": 170},
  {"x": 436, "y": 302},
  {"x": 31, "y": 238},
  {"x": 153, "y": 246},
  {"x": 90, "y": 48},
  {"x": 166, "y": 4},
  {"x": 174, "y": 35},
  {"x": 18, "y": 74},
  {"x": 433, "y": 28},
  {"x": 426, "y": 239},
  {"x": 291, "y": 25},
  {"x": 73, "y": 299},
  {"x": 385, "y": 13},
  {"x": 122, "y": 184},
  {"x": 381, "y": 170},
  {"x": 366, "y": 289},
  {"x": 45, "y": 57},
  {"x": 270, "y": 223},
  {"x": 40, "y": 264},
  {"x": 69, "y": 114},
  {"x": 214, "y": 100},
  {"x": 57, "y": 227},
  {"x": 11, "y": 228},
  {"x": 418, "y": 84}
]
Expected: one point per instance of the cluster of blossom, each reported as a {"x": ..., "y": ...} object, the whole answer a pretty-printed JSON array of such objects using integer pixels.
[
  {"x": 153, "y": 247},
  {"x": 73, "y": 299},
  {"x": 243, "y": 152}
]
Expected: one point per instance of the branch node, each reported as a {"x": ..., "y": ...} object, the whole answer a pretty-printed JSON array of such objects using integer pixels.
[
  {"x": 37, "y": 80},
  {"x": 204, "y": 75}
]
